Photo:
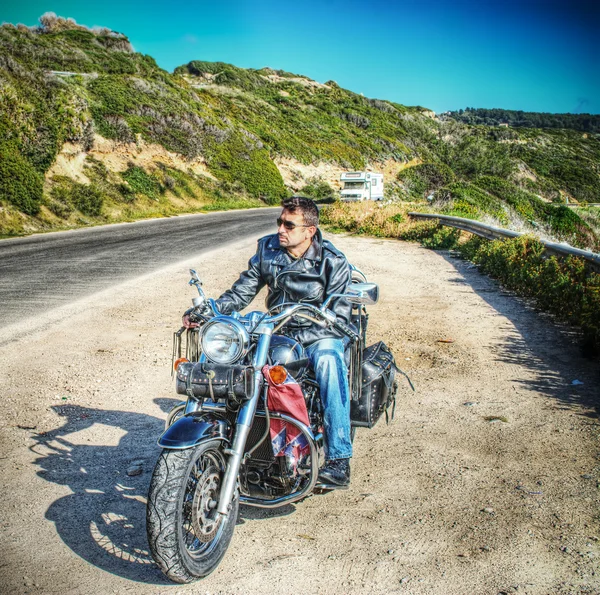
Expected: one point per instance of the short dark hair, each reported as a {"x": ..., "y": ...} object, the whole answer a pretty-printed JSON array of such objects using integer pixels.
[{"x": 306, "y": 206}]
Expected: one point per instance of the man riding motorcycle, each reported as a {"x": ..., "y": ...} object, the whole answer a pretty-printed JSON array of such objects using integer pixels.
[{"x": 298, "y": 265}]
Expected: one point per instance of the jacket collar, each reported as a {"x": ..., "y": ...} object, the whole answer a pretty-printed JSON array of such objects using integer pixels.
[{"x": 314, "y": 252}]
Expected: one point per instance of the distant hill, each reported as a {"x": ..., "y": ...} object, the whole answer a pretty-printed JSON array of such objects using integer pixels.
[
  {"x": 91, "y": 131},
  {"x": 520, "y": 119}
]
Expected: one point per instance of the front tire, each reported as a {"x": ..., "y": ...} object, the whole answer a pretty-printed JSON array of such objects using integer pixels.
[{"x": 186, "y": 536}]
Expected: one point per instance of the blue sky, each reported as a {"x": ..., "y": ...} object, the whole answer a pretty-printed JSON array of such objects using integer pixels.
[{"x": 534, "y": 55}]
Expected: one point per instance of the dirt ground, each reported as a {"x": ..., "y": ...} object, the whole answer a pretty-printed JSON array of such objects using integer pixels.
[{"x": 486, "y": 482}]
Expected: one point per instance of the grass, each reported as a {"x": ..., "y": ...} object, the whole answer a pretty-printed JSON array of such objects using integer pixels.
[{"x": 591, "y": 216}]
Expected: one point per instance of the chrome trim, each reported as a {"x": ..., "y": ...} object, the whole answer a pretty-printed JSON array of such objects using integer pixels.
[
  {"x": 363, "y": 293},
  {"x": 314, "y": 468},
  {"x": 213, "y": 407},
  {"x": 243, "y": 423},
  {"x": 357, "y": 275},
  {"x": 314, "y": 454},
  {"x": 233, "y": 323}
]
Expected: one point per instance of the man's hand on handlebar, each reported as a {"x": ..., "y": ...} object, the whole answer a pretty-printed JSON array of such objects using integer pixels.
[
  {"x": 187, "y": 323},
  {"x": 191, "y": 318}
]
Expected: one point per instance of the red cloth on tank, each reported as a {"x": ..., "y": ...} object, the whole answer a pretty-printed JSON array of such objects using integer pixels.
[{"x": 287, "y": 440}]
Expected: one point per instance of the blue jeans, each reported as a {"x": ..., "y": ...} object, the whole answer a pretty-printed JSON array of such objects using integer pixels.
[{"x": 327, "y": 360}]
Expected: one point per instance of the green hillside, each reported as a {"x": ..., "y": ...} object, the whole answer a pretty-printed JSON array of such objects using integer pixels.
[{"x": 91, "y": 132}]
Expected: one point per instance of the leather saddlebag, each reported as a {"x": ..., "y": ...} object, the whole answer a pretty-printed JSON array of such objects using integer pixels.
[
  {"x": 215, "y": 381},
  {"x": 378, "y": 386}
]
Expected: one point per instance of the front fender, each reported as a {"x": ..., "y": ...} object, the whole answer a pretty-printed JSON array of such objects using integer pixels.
[{"x": 190, "y": 430}]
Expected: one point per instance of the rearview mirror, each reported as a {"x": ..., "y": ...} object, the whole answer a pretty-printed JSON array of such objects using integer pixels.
[
  {"x": 362, "y": 293},
  {"x": 195, "y": 277}
]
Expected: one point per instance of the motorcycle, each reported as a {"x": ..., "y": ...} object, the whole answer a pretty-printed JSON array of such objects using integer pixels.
[{"x": 251, "y": 429}]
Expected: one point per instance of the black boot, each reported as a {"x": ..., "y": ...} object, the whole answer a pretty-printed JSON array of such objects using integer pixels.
[{"x": 335, "y": 473}]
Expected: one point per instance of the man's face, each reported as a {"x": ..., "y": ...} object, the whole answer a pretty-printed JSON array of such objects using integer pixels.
[{"x": 299, "y": 235}]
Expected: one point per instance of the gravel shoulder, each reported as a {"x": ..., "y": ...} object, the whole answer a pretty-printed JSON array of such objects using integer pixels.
[{"x": 486, "y": 482}]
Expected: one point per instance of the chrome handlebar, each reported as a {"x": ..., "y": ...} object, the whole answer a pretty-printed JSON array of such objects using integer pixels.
[
  {"x": 324, "y": 318},
  {"x": 321, "y": 316}
]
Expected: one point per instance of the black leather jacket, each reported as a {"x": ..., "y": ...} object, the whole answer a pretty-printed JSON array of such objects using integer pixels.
[{"x": 322, "y": 271}]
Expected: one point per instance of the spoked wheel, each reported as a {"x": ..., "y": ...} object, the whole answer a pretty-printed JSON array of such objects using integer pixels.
[{"x": 187, "y": 537}]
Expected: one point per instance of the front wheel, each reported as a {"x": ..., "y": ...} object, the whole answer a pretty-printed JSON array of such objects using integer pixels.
[{"x": 186, "y": 535}]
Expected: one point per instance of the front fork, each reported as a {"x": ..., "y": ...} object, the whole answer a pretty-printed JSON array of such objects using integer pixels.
[{"x": 244, "y": 421}]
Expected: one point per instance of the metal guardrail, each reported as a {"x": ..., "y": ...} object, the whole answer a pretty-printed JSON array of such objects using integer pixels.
[{"x": 495, "y": 233}]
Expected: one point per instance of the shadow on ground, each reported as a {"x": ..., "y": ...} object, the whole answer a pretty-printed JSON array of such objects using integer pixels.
[
  {"x": 104, "y": 520},
  {"x": 536, "y": 341}
]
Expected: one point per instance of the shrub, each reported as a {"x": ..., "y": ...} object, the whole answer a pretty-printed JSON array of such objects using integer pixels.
[
  {"x": 474, "y": 155},
  {"x": 68, "y": 195},
  {"x": 562, "y": 158},
  {"x": 442, "y": 238},
  {"x": 317, "y": 188},
  {"x": 142, "y": 183},
  {"x": 20, "y": 183},
  {"x": 565, "y": 287},
  {"x": 366, "y": 217},
  {"x": 233, "y": 160},
  {"x": 562, "y": 222},
  {"x": 59, "y": 208},
  {"x": 61, "y": 204},
  {"x": 127, "y": 194},
  {"x": 50, "y": 23},
  {"x": 419, "y": 231},
  {"x": 179, "y": 182},
  {"x": 464, "y": 199},
  {"x": 87, "y": 198},
  {"x": 420, "y": 180}
]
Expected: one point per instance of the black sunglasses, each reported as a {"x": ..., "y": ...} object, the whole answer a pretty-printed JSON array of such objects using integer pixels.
[{"x": 289, "y": 225}]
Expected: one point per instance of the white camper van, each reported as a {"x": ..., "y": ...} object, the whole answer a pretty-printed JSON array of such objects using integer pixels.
[{"x": 361, "y": 185}]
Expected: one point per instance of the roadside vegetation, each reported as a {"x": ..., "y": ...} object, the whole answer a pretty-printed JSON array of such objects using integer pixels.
[{"x": 565, "y": 287}]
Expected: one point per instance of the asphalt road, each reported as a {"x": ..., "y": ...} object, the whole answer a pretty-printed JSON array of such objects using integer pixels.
[{"x": 42, "y": 272}]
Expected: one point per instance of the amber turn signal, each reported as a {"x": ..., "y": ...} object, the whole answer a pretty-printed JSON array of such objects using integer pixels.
[
  {"x": 278, "y": 374},
  {"x": 179, "y": 361}
]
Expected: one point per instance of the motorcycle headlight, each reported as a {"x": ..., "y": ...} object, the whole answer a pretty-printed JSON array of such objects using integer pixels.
[{"x": 224, "y": 340}]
